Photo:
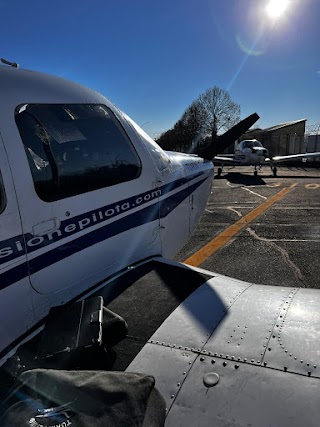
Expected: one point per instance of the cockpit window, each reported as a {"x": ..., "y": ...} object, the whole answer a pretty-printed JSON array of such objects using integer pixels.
[
  {"x": 251, "y": 144},
  {"x": 73, "y": 149}
]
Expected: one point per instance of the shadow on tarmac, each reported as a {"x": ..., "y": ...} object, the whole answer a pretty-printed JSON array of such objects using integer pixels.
[
  {"x": 246, "y": 179},
  {"x": 239, "y": 178}
]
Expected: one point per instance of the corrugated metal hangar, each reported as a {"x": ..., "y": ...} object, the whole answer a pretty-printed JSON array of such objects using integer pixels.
[{"x": 282, "y": 139}]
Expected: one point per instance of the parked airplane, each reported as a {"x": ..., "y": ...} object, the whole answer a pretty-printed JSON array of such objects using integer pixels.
[
  {"x": 91, "y": 206},
  {"x": 250, "y": 152},
  {"x": 84, "y": 193}
]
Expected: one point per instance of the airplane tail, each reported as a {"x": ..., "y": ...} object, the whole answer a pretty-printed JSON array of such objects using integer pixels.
[{"x": 220, "y": 143}]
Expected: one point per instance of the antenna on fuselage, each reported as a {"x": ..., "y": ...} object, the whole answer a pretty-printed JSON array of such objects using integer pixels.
[{"x": 11, "y": 64}]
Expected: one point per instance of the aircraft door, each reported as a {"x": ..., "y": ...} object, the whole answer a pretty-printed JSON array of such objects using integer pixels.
[
  {"x": 174, "y": 211},
  {"x": 16, "y": 314},
  {"x": 90, "y": 205}
]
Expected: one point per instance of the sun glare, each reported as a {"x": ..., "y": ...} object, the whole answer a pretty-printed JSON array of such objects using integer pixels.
[{"x": 276, "y": 8}]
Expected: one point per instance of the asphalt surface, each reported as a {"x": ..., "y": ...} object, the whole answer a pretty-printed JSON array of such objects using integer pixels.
[{"x": 278, "y": 239}]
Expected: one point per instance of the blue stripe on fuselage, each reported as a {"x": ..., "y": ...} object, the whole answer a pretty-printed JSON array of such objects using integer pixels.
[{"x": 136, "y": 219}]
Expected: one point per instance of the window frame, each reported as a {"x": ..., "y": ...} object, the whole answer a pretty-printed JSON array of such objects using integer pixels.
[{"x": 57, "y": 194}]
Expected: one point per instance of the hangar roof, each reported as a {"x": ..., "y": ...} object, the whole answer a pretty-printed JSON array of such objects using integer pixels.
[{"x": 282, "y": 125}]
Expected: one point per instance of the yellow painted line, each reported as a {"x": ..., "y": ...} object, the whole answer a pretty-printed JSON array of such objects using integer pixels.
[{"x": 226, "y": 235}]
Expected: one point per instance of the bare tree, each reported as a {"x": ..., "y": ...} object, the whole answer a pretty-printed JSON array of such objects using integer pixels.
[
  {"x": 211, "y": 113},
  {"x": 221, "y": 112}
]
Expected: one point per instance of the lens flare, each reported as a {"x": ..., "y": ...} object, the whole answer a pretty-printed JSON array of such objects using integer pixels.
[{"x": 276, "y": 8}]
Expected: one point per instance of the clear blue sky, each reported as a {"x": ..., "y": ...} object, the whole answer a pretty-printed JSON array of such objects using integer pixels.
[{"x": 153, "y": 58}]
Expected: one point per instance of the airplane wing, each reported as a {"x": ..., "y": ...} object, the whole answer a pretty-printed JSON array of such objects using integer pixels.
[
  {"x": 277, "y": 159},
  {"x": 225, "y": 159},
  {"x": 236, "y": 354},
  {"x": 223, "y": 352}
]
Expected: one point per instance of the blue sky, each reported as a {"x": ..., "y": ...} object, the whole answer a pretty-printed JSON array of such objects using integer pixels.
[{"x": 153, "y": 58}]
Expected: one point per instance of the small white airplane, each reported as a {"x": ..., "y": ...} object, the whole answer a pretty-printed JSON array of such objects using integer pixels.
[
  {"x": 250, "y": 152},
  {"x": 91, "y": 205},
  {"x": 84, "y": 194}
]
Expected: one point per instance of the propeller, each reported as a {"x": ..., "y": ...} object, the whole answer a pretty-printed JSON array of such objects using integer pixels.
[{"x": 220, "y": 143}]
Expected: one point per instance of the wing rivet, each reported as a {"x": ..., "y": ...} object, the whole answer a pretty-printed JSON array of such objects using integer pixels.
[
  {"x": 309, "y": 373},
  {"x": 285, "y": 369},
  {"x": 213, "y": 361},
  {"x": 202, "y": 359},
  {"x": 301, "y": 361},
  {"x": 314, "y": 366},
  {"x": 236, "y": 366},
  {"x": 172, "y": 396},
  {"x": 225, "y": 363}
]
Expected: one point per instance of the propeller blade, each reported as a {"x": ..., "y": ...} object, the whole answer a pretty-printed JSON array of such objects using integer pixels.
[{"x": 224, "y": 141}]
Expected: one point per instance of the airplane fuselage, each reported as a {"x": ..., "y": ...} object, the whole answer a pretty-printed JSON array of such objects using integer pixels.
[
  {"x": 85, "y": 193},
  {"x": 250, "y": 156}
]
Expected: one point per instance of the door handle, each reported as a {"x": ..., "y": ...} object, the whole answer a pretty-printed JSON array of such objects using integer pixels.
[{"x": 45, "y": 227}]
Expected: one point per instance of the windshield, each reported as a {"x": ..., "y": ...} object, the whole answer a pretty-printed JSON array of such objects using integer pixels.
[{"x": 251, "y": 144}]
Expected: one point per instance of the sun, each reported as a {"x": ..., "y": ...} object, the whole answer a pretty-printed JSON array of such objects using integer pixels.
[{"x": 276, "y": 8}]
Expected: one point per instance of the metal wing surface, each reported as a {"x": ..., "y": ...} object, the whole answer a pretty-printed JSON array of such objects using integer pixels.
[
  {"x": 238, "y": 354},
  {"x": 225, "y": 159},
  {"x": 277, "y": 159}
]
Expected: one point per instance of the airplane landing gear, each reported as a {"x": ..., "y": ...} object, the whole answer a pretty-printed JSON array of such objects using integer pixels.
[
  {"x": 255, "y": 173},
  {"x": 219, "y": 171},
  {"x": 274, "y": 171}
]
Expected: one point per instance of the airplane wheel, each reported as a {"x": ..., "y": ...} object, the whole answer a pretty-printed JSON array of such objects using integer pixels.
[
  {"x": 274, "y": 170},
  {"x": 219, "y": 171},
  {"x": 255, "y": 173}
]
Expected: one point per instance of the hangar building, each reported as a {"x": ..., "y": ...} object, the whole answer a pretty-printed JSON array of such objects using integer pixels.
[{"x": 282, "y": 139}]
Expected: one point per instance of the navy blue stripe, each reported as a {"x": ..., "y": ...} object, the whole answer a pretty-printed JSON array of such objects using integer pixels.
[
  {"x": 15, "y": 247},
  {"x": 144, "y": 216},
  {"x": 13, "y": 275}
]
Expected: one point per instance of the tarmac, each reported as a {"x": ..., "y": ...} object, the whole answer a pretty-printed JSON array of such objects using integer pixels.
[{"x": 261, "y": 229}]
